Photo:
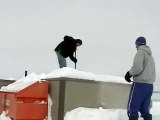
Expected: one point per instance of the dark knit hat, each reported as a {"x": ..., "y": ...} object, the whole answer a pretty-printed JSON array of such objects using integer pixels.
[
  {"x": 140, "y": 41},
  {"x": 78, "y": 41},
  {"x": 67, "y": 37}
]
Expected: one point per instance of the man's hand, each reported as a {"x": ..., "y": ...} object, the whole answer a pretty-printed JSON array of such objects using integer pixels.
[
  {"x": 75, "y": 60},
  {"x": 127, "y": 77}
]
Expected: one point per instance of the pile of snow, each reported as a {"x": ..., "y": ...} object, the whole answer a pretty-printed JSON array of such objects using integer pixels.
[
  {"x": 155, "y": 110},
  {"x": 74, "y": 73},
  {"x": 82, "y": 113},
  {"x": 4, "y": 117},
  {"x": 22, "y": 83},
  {"x": 95, "y": 114},
  {"x": 63, "y": 72}
]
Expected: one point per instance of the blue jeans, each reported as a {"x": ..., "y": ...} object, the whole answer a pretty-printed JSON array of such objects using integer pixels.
[
  {"x": 61, "y": 60},
  {"x": 139, "y": 99}
]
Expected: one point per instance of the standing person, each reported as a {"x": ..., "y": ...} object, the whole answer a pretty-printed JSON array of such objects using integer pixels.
[
  {"x": 143, "y": 73},
  {"x": 67, "y": 48}
]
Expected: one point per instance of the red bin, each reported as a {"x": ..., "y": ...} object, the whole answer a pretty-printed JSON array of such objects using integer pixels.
[{"x": 27, "y": 104}]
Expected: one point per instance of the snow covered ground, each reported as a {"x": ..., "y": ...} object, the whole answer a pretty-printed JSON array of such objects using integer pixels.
[
  {"x": 79, "y": 113},
  {"x": 106, "y": 114},
  {"x": 82, "y": 113}
]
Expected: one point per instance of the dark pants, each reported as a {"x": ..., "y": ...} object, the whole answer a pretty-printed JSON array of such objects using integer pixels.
[{"x": 139, "y": 100}]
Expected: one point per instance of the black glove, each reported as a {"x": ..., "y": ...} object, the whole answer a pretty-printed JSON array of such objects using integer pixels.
[
  {"x": 75, "y": 60},
  {"x": 127, "y": 77}
]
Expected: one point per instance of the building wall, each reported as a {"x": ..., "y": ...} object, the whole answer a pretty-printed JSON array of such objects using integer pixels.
[
  {"x": 67, "y": 94},
  {"x": 5, "y": 82},
  {"x": 73, "y": 93},
  {"x": 54, "y": 95},
  {"x": 96, "y": 94}
]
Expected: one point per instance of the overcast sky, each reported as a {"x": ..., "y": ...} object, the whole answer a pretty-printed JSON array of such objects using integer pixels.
[{"x": 31, "y": 29}]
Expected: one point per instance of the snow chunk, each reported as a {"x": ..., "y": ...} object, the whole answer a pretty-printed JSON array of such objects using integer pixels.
[{"x": 4, "y": 117}]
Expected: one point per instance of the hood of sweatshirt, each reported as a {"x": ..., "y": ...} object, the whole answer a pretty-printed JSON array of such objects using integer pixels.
[{"x": 145, "y": 48}]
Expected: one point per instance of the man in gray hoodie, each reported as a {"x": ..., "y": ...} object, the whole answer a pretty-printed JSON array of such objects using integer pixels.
[{"x": 144, "y": 75}]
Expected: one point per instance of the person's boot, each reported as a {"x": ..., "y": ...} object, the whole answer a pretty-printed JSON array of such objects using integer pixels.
[
  {"x": 148, "y": 117},
  {"x": 133, "y": 118}
]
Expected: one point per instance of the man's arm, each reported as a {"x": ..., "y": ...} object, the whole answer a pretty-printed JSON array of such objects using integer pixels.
[
  {"x": 72, "y": 57},
  {"x": 137, "y": 67}
]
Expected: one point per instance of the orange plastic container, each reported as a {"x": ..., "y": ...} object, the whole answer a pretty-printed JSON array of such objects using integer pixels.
[{"x": 27, "y": 104}]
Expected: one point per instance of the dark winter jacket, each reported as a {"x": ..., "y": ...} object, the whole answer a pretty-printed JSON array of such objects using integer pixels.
[{"x": 67, "y": 48}]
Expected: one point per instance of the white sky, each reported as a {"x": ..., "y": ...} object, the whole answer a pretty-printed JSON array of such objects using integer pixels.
[{"x": 31, "y": 29}]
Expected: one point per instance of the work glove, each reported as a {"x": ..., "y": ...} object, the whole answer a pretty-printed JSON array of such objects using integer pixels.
[{"x": 127, "y": 77}]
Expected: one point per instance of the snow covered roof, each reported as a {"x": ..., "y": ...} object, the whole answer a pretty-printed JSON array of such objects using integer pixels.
[
  {"x": 63, "y": 72},
  {"x": 78, "y": 74}
]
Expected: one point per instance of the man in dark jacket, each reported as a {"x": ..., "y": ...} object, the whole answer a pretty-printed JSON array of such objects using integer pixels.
[
  {"x": 144, "y": 75},
  {"x": 66, "y": 49}
]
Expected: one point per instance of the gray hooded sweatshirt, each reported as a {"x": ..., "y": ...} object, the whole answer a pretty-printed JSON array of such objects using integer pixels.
[{"x": 143, "y": 69}]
